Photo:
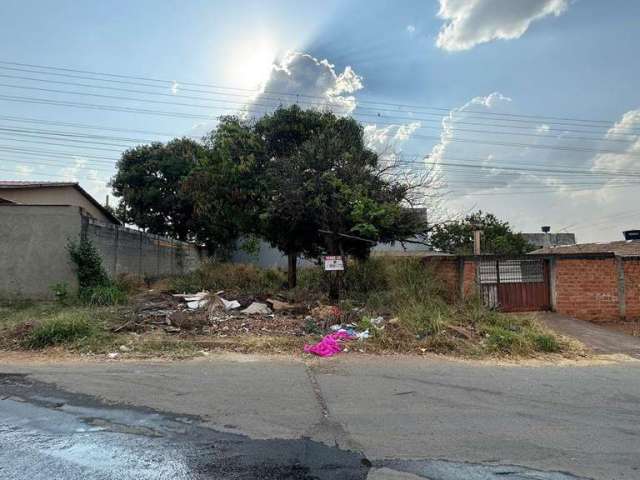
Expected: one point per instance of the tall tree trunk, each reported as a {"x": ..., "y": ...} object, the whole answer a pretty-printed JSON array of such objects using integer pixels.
[{"x": 292, "y": 271}]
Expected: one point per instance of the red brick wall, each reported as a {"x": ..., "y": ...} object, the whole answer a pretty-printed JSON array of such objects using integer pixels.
[
  {"x": 469, "y": 285},
  {"x": 446, "y": 270},
  {"x": 587, "y": 288},
  {"x": 632, "y": 288}
]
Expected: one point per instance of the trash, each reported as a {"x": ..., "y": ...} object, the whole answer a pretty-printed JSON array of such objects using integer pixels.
[
  {"x": 113, "y": 355},
  {"x": 329, "y": 345},
  {"x": 257, "y": 308},
  {"x": 336, "y": 327},
  {"x": 229, "y": 304},
  {"x": 124, "y": 348},
  {"x": 363, "y": 335},
  {"x": 279, "y": 306},
  {"x": 325, "y": 312},
  {"x": 194, "y": 301},
  {"x": 377, "y": 321}
]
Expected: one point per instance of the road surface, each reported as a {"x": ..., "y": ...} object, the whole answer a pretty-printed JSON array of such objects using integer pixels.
[{"x": 350, "y": 417}]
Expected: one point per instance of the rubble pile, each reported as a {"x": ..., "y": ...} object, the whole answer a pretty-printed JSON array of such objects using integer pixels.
[{"x": 211, "y": 314}]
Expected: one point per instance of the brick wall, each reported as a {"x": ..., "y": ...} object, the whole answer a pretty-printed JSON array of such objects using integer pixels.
[
  {"x": 587, "y": 288},
  {"x": 469, "y": 286},
  {"x": 447, "y": 271},
  {"x": 632, "y": 288}
]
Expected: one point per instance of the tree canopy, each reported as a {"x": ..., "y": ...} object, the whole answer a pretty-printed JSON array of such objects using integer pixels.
[
  {"x": 149, "y": 185},
  {"x": 303, "y": 180},
  {"x": 294, "y": 175},
  {"x": 497, "y": 236}
]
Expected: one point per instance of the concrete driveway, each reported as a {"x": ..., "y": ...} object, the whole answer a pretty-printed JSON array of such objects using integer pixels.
[
  {"x": 351, "y": 417},
  {"x": 599, "y": 339}
]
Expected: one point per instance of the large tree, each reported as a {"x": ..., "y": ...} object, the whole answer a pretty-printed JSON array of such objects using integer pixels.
[
  {"x": 304, "y": 181},
  {"x": 149, "y": 183},
  {"x": 497, "y": 236}
]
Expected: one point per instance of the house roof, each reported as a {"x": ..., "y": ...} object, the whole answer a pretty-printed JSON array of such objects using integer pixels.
[
  {"x": 18, "y": 184},
  {"x": 622, "y": 248}
]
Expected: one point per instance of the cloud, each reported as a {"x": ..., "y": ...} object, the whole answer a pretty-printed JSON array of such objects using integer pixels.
[
  {"x": 313, "y": 83},
  {"x": 388, "y": 140},
  {"x": 411, "y": 29},
  {"x": 622, "y": 130},
  {"x": 472, "y": 22},
  {"x": 484, "y": 142}
]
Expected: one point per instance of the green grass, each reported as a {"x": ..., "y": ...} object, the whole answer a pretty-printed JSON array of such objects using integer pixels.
[{"x": 63, "y": 328}]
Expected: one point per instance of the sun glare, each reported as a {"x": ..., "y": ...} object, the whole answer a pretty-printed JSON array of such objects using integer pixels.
[{"x": 251, "y": 63}]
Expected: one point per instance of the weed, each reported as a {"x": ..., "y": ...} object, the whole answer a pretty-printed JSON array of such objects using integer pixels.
[
  {"x": 62, "y": 328},
  {"x": 547, "y": 343},
  {"x": 103, "y": 295},
  {"x": 61, "y": 292},
  {"x": 311, "y": 327}
]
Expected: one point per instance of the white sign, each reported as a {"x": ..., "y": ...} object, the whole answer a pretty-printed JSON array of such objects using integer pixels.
[{"x": 333, "y": 263}]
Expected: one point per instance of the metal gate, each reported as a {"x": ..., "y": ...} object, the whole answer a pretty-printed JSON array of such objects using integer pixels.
[{"x": 515, "y": 285}]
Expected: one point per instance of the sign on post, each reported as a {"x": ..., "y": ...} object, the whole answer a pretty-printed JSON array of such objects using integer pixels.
[{"x": 333, "y": 263}]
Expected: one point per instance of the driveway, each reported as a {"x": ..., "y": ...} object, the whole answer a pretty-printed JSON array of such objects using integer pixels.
[
  {"x": 597, "y": 338},
  {"x": 349, "y": 417}
]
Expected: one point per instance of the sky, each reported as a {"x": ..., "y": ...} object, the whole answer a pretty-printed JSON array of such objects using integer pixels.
[{"x": 529, "y": 109}]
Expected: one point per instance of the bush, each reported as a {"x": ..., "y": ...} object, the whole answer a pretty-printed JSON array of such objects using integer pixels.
[
  {"x": 62, "y": 328},
  {"x": 88, "y": 264}
]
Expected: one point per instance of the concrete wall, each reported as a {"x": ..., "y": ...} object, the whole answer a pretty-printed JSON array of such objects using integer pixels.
[
  {"x": 62, "y": 195},
  {"x": 33, "y": 252},
  {"x": 125, "y": 250},
  {"x": 34, "y": 256}
]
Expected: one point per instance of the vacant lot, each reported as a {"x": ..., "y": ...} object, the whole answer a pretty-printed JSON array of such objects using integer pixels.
[{"x": 391, "y": 305}]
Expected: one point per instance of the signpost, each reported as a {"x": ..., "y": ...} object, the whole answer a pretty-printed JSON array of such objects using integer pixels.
[{"x": 333, "y": 263}]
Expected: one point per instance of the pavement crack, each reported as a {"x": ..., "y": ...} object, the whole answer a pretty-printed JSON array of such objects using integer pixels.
[{"x": 329, "y": 429}]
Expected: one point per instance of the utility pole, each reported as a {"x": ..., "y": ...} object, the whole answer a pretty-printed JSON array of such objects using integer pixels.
[{"x": 476, "y": 242}]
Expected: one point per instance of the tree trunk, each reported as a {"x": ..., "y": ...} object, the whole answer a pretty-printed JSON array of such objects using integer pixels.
[{"x": 292, "y": 271}]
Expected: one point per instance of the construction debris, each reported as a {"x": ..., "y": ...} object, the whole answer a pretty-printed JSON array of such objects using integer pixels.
[
  {"x": 279, "y": 306},
  {"x": 229, "y": 305},
  {"x": 257, "y": 308}
]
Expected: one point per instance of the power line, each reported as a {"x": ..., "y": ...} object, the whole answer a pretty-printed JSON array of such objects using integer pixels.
[
  {"x": 186, "y": 115},
  {"x": 169, "y": 83}
]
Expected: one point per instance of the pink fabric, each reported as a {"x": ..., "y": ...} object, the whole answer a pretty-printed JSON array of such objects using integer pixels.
[{"x": 329, "y": 345}]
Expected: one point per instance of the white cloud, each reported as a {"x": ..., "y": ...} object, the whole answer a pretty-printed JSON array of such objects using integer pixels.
[
  {"x": 388, "y": 140},
  {"x": 534, "y": 197},
  {"x": 411, "y": 29},
  {"x": 313, "y": 83},
  {"x": 622, "y": 130},
  {"x": 472, "y": 22}
]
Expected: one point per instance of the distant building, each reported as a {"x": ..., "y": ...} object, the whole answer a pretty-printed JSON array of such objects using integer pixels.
[
  {"x": 541, "y": 240},
  {"x": 54, "y": 193}
]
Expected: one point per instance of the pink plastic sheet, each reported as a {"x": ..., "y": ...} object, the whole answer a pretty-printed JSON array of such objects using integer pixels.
[{"x": 329, "y": 345}]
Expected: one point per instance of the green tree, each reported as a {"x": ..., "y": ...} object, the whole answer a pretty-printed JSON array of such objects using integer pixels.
[
  {"x": 295, "y": 174},
  {"x": 149, "y": 183},
  {"x": 497, "y": 236}
]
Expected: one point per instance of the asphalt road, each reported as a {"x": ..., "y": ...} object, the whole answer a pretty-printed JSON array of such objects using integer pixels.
[{"x": 351, "y": 417}]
